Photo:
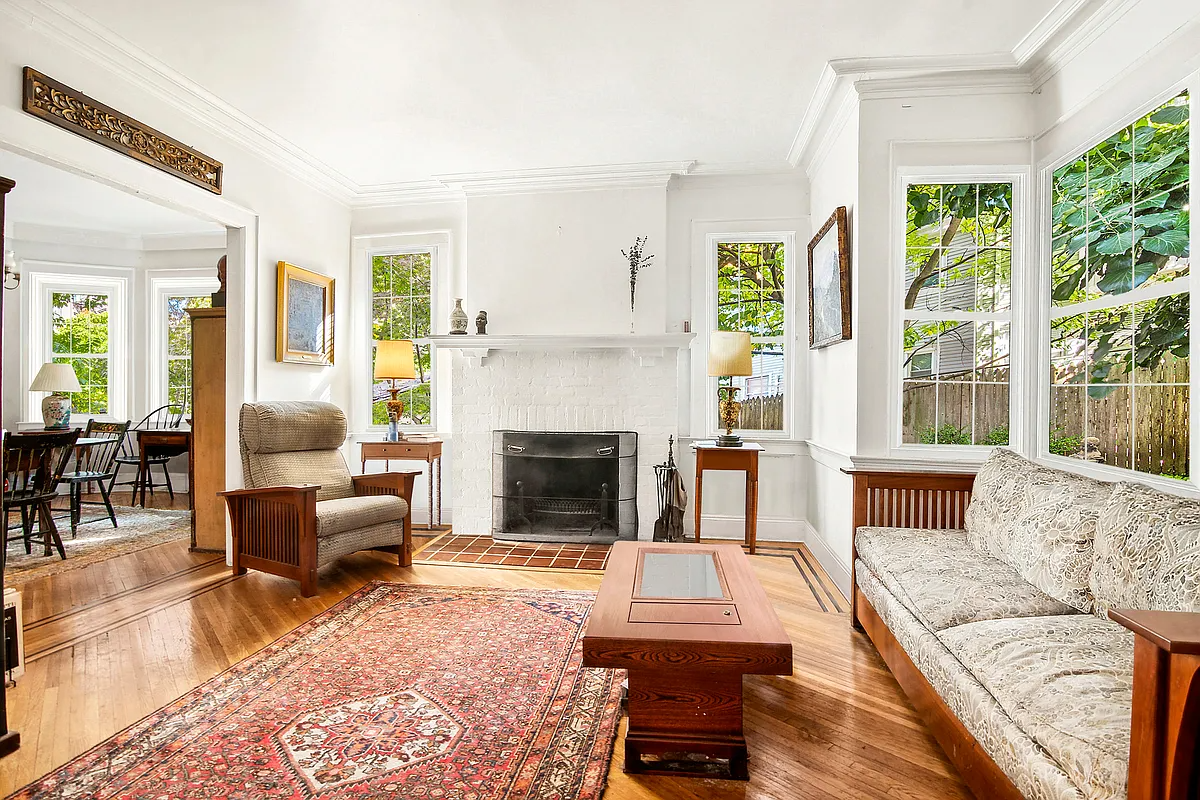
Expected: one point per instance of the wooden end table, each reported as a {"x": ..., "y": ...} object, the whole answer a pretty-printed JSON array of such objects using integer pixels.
[
  {"x": 744, "y": 458},
  {"x": 687, "y": 622},
  {"x": 429, "y": 452}
]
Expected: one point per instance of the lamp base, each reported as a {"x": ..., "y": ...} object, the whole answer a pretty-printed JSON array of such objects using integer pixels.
[
  {"x": 56, "y": 412},
  {"x": 727, "y": 440}
]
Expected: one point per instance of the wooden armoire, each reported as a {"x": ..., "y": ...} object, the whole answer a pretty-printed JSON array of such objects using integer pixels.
[{"x": 208, "y": 428}]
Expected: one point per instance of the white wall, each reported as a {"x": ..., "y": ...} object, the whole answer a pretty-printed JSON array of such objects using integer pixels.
[
  {"x": 552, "y": 263},
  {"x": 697, "y": 206},
  {"x": 832, "y": 381},
  {"x": 279, "y": 216}
]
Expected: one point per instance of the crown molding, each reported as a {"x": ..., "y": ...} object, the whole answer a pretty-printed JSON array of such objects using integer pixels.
[
  {"x": 106, "y": 49},
  {"x": 1045, "y": 65},
  {"x": 837, "y": 122},
  {"x": 406, "y": 193},
  {"x": 207, "y": 240},
  {"x": 1068, "y": 28},
  {"x": 34, "y": 233},
  {"x": 1048, "y": 28},
  {"x": 640, "y": 175}
]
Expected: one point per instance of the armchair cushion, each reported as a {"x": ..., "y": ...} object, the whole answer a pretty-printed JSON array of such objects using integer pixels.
[
  {"x": 282, "y": 427},
  {"x": 294, "y": 443},
  {"x": 351, "y": 513},
  {"x": 1147, "y": 552},
  {"x": 326, "y": 468}
]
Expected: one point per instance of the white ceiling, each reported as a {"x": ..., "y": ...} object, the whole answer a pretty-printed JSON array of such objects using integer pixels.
[
  {"x": 397, "y": 90},
  {"x": 48, "y": 196}
]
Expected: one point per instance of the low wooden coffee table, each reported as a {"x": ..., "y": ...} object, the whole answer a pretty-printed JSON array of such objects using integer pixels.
[{"x": 687, "y": 621}]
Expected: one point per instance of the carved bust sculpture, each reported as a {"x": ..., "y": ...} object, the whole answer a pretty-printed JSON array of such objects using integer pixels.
[{"x": 481, "y": 323}]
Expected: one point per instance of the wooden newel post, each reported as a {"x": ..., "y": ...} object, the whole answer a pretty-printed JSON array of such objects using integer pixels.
[{"x": 207, "y": 459}]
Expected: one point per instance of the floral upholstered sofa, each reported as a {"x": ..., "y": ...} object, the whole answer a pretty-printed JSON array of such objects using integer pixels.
[{"x": 990, "y": 598}]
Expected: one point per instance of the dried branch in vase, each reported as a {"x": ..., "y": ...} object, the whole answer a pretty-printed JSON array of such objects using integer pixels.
[{"x": 637, "y": 263}]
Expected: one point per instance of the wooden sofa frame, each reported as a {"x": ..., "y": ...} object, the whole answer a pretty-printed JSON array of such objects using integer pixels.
[
  {"x": 275, "y": 528},
  {"x": 1165, "y": 746}
]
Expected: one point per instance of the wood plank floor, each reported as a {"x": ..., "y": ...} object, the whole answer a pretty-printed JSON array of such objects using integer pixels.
[{"x": 112, "y": 642}]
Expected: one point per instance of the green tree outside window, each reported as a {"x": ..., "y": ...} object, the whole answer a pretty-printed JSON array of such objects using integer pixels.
[{"x": 401, "y": 308}]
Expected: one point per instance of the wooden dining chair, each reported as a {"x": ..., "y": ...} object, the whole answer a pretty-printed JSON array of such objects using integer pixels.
[
  {"x": 33, "y": 465},
  {"x": 162, "y": 418},
  {"x": 97, "y": 464}
]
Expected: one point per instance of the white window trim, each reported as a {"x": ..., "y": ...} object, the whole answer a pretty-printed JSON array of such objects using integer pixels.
[
  {"x": 164, "y": 284},
  {"x": 791, "y": 286},
  {"x": 1019, "y": 340},
  {"x": 365, "y": 248},
  {"x": 1039, "y": 293},
  {"x": 45, "y": 278}
]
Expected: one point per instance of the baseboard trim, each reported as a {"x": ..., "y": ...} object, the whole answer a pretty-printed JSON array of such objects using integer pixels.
[
  {"x": 770, "y": 529},
  {"x": 837, "y": 570}
]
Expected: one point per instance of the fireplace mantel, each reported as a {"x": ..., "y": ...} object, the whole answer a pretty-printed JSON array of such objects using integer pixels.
[{"x": 647, "y": 348}]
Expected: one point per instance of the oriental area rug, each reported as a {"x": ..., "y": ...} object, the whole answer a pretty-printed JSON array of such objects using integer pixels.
[
  {"x": 137, "y": 529},
  {"x": 397, "y": 692}
]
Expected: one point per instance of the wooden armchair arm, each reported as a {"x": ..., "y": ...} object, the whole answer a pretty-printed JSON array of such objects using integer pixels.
[
  {"x": 399, "y": 483},
  {"x": 270, "y": 491},
  {"x": 275, "y": 530},
  {"x": 1166, "y": 702}
]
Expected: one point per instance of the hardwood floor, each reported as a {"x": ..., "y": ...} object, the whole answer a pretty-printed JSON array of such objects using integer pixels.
[{"x": 112, "y": 642}]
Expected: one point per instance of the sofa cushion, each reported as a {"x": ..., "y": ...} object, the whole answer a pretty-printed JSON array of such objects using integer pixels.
[
  {"x": 1067, "y": 682},
  {"x": 945, "y": 582},
  {"x": 1038, "y": 520},
  {"x": 1147, "y": 553},
  {"x": 1025, "y": 763},
  {"x": 351, "y": 513}
]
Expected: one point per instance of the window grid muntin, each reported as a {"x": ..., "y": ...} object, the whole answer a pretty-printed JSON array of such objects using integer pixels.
[
  {"x": 761, "y": 344},
  {"x": 416, "y": 324},
  {"x": 993, "y": 239},
  {"x": 84, "y": 402},
  {"x": 179, "y": 351},
  {"x": 1176, "y": 285}
]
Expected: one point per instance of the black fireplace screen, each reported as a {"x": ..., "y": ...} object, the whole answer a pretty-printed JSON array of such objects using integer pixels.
[{"x": 564, "y": 487}]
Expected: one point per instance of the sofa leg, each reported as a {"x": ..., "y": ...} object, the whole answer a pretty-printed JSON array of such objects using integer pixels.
[{"x": 308, "y": 585}]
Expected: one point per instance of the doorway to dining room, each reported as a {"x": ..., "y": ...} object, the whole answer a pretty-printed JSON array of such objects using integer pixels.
[{"x": 98, "y": 284}]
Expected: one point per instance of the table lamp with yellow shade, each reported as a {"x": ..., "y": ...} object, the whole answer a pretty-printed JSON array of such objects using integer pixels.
[
  {"x": 395, "y": 360},
  {"x": 729, "y": 356}
]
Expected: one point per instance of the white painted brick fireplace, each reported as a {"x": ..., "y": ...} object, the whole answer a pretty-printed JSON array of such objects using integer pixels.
[{"x": 529, "y": 388}]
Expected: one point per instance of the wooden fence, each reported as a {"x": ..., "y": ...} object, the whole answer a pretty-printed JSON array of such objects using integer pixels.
[
  {"x": 762, "y": 413},
  {"x": 1153, "y": 437}
]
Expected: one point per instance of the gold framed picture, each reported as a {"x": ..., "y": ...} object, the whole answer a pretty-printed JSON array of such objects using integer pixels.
[{"x": 303, "y": 316}]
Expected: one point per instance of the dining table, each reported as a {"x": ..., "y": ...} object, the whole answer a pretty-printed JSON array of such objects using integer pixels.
[{"x": 168, "y": 441}]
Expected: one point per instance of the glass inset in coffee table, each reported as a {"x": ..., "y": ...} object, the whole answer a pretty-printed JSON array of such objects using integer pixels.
[{"x": 687, "y": 621}]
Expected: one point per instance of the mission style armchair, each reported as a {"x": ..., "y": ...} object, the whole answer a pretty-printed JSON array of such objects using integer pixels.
[{"x": 301, "y": 508}]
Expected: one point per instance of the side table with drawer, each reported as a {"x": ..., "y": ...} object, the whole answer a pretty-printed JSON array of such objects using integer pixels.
[{"x": 429, "y": 452}]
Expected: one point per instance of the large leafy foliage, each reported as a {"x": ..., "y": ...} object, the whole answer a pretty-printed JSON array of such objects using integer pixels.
[{"x": 1121, "y": 220}]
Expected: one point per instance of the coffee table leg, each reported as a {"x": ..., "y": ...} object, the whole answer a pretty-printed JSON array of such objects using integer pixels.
[{"x": 681, "y": 712}]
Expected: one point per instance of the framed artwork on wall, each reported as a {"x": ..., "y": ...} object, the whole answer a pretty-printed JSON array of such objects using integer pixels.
[
  {"x": 303, "y": 316},
  {"x": 829, "y": 283}
]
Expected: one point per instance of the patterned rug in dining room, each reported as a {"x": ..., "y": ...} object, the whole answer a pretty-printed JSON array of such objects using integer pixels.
[{"x": 398, "y": 691}]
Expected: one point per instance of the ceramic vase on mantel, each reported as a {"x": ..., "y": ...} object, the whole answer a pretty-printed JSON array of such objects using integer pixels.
[{"x": 458, "y": 319}]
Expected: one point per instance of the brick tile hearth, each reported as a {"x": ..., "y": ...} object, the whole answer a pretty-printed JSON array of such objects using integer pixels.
[{"x": 462, "y": 550}]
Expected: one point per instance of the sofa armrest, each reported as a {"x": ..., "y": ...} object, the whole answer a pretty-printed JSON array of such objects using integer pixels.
[
  {"x": 399, "y": 483},
  {"x": 1166, "y": 702}
]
